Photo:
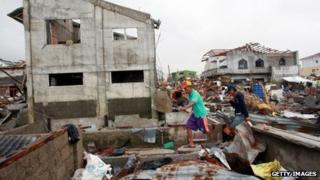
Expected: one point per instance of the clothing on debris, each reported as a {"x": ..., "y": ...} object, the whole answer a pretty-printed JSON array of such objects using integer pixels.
[{"x": 72, "y": 133}]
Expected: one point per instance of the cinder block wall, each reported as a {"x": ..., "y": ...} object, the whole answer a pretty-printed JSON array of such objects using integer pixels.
[{"x": 55, "y": 160}]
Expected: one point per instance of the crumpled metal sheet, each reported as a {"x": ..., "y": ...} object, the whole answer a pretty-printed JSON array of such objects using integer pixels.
[
  {"x": 218, "y": 153},
  {"x": 10, "y": 144},
  {"x": 244, "y": 144},
  {"x": 190, "y": 169}
]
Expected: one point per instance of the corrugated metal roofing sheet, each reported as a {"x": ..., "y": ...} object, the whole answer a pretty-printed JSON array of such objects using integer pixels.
[
  {"x": 189, "y": 169},
  {"x": 10, "y": 144}
]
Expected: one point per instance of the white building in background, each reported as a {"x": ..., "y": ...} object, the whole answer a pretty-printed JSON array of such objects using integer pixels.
[
  {"x": 250, "y": 61},
  {"x": 310, "y": 65}
]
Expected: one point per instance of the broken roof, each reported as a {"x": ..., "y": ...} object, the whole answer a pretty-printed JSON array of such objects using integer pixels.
[
  {"x": 11, "y": 64},
  {"x": 10, "y": 144},
  {"x": 13, "y": 147},
  {"x": 213, "y": 53},
  {"x": 254, "y": 47},
  {"x": 17, "y": 14},
  {"x": 312, "y": 56}
]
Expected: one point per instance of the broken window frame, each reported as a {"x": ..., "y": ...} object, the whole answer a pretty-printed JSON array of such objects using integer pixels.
[
  {"x": 72, "y": 35},
  {"x": 243, "y": 63},
  {"x": 60, "y": 79},
  {"x": 126, "y": 34},
  {"x": 136, "y": 76}
]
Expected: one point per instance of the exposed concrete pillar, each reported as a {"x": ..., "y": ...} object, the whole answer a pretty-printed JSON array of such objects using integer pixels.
[
  {"x": 152, "y": 67},
  {"x": 100, "y": 63},
  {"x": 28, "y": 58}
]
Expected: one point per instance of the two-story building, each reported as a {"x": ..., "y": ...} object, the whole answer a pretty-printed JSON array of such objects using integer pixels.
[
  {"x": 87, "y": 60},
  {"x": 310, "y": 65},
  {"x": 250, "y": 61}
]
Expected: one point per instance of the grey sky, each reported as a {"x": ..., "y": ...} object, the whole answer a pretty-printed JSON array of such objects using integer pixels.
[{"x": 190, "y": 28}]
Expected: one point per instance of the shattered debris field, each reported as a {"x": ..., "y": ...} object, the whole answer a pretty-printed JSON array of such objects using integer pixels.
[{"x": 89, "y": 102}]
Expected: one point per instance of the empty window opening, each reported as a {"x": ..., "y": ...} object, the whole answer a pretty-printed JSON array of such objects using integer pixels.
[
  {"x": 132, "y": 33},
  {"x": 243, "y": 64},
  {"x": 282, "y": 62},
  {"x": 125, "y": 34},
  {"x": 118, "y": 34},
  {"x": 127, "y": 76},
  {"x": 259, "y": 63},
  {"x": 66, "y": 79},
  {"x": 63, "y": 31}
]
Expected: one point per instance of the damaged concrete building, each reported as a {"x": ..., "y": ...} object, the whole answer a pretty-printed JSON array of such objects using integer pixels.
[
  {"x": 87, "y": 60},
  {"x": 252, "y": 61}
]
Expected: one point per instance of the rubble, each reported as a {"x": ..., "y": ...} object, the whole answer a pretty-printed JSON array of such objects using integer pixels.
[{"x": 129, "y": 128}]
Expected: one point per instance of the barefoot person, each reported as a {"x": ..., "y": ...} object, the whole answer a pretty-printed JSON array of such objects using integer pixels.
[{"x": 198, "y": 119}]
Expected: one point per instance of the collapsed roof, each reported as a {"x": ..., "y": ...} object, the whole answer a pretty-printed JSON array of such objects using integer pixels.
[
  {"x": 11, "y": 64},
  {"x": 253, "y": 47}
]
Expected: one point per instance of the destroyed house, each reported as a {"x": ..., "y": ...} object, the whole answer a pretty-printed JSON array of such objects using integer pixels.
[
  {"x": 87, "y": 60},
  {"x": 250, "y": 61}
]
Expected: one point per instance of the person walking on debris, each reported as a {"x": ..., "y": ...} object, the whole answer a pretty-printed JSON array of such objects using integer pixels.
[
  {"x": 238, "y": 103},
  {"x": 198, "y": 119}
]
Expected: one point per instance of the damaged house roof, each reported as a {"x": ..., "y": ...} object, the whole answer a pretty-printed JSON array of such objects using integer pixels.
[
  {"x": 10, "y": 144},
  {"x": 213, "y": 53},
  {"x": 17, "y": 14},
  {"x": 13, "y": 147},
  {"x": 253, "y": 47},
  {"x": 11, "y": 64}
]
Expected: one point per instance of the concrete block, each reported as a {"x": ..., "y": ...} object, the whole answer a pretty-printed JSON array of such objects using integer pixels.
[
  {"x": 162, "y": 102},
  {"x": 134, "y": 121},
  {"x": 149, "y": 152},
  {"x": 60, "y": 142},
  {"x": 8, "y": 172},
  {"x": 66, "y": 152},
  {"x": 176, "y": 118}
]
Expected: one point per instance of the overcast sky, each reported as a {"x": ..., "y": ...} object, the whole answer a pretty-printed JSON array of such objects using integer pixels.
[{"x": 190, "y": 28}]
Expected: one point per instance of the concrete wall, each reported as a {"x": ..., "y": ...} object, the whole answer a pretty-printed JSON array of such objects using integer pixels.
[
  {"x": 96, "y": 57},
  {"x": 311, "y": 70},
  {"x": 310, "y": 66},
  {"x": 294, "y": 153},
  {"x": 55, "y": 160},
  {"x": 284, "y": 71}
]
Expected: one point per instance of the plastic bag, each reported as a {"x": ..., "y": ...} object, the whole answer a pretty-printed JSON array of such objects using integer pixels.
[
  {"x": 96, "y": 169},
  {"x": 264, "y": 170}
]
